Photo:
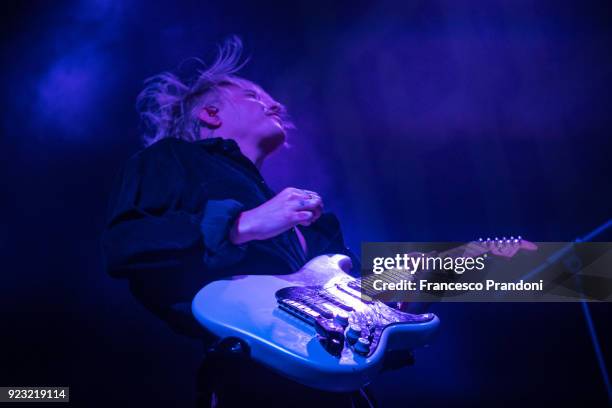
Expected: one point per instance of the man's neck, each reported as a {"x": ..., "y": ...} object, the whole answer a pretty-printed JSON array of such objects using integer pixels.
[{"x": 252, "y": 152}]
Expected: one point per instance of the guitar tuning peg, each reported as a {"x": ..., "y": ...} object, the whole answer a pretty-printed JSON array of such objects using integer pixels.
[{"x": 520, "y": 238}]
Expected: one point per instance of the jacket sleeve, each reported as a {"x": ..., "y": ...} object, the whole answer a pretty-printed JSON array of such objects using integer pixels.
[{"x": 154, "y": 221}]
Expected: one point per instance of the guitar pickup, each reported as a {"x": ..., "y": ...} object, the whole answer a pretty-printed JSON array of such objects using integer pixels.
[
  {"x": 335, "y": 301},
  {"x": 299, "y": 309},
  {"x": 354, "y": 293}
]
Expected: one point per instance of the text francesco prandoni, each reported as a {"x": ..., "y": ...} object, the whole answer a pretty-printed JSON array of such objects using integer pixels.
[{"x": 413, "y": 263}]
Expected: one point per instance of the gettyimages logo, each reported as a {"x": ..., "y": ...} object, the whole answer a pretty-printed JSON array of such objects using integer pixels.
[
  {"x": 498, "y": 270},
  {"x": 422, "y": 262}
]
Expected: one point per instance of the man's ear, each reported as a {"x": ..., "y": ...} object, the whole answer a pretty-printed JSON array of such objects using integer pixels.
[{"x": 209, "y": 115}]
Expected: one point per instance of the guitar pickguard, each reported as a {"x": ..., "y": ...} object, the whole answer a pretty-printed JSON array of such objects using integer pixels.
[{"x": 342, "y": 316}]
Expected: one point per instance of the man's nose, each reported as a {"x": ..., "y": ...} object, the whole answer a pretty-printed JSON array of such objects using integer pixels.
[{"x": 274, "y": 108}]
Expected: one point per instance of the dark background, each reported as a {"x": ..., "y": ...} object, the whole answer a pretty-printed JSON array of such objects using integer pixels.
[{"x": 417, "y": 120}]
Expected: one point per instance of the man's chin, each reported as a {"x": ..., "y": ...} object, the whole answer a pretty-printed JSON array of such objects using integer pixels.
[{"x": 273, "y": 141}]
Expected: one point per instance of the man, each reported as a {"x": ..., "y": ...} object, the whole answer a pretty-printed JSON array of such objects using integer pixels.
[{"x": 193, "y": 207}]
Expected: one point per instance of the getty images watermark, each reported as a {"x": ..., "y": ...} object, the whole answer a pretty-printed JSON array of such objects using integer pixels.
[{"x": 498, "y": 270}]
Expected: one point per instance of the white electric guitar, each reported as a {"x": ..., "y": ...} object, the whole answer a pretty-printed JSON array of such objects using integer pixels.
[{"x": 314, "y": 326}]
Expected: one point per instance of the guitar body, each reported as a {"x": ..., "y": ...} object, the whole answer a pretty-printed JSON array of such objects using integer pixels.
[{"x": 310, "y": 326}]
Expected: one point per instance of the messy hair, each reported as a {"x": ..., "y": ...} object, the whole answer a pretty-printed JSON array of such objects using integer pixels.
[{"x": 169, "y": 105}]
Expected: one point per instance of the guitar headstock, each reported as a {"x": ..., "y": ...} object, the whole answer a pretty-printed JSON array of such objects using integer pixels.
[{"x": 505, "y": 247}]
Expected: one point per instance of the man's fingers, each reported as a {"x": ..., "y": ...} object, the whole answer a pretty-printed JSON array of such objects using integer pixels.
[
  {"x": 313, "y": 193},
  {"x": 309, "y": 204},
  {"x": 310, "y": 220},
  {"x": 315, "y": 215},
  {"x": 303, "y": 216}
]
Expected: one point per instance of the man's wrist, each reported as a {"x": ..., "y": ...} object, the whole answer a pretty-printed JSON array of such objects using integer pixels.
[{"x": 240, "y": 233}]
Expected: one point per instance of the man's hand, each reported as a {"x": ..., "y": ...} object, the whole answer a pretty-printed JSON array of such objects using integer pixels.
[{"x": 287, "y": 209}]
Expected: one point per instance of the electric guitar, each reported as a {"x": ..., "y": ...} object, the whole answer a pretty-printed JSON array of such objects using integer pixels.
[{"x": 314, "y": 326}]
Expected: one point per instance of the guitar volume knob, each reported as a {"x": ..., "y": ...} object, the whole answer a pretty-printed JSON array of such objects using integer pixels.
[
  {"x": 341, "y": 318},
  {"x": 353, "y": 333},
  {"x": 362, "y": 346}
]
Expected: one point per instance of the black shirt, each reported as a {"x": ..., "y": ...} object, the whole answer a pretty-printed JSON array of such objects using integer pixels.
[{"x": 170, "y": 214}]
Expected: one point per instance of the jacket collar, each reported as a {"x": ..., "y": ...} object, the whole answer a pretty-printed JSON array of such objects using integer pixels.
[{"x": 219, "y": 144}]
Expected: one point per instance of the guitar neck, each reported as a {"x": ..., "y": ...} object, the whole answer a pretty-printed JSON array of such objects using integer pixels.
[
  {"x": 505, "y": 248},
  {"x": 471, "y": 249}
]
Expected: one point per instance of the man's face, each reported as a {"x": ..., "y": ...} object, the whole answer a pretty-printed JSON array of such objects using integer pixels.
[{"x": 248, "y": 112}]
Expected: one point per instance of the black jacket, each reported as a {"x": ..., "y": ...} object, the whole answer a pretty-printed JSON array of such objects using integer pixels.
[{"x": 169, "y": 218}]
